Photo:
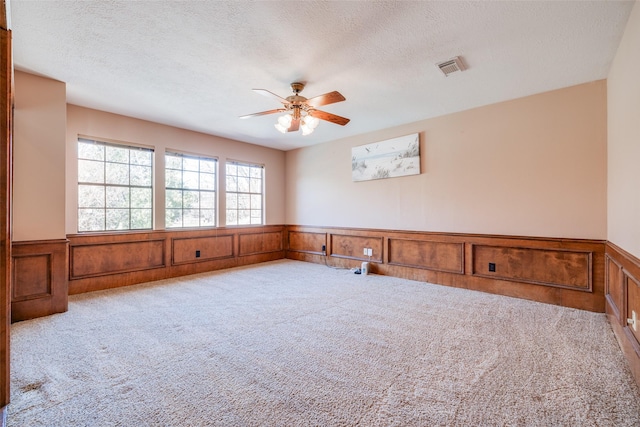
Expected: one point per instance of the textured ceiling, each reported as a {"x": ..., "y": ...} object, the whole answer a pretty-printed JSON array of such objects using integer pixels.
[{"x": 193, "y": 64}]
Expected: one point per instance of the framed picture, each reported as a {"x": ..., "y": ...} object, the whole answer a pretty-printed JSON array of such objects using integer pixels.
[{"x": 386, "y": 159}]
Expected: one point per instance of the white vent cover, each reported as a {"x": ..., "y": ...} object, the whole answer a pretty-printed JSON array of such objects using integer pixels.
[{"x": 451, "y": 66}]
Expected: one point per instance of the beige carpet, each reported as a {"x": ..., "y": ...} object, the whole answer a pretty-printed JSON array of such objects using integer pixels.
[{"x": 296, "y": 344}]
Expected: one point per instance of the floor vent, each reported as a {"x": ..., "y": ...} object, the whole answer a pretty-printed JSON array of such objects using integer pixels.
[{"x": 451, "y": 66}]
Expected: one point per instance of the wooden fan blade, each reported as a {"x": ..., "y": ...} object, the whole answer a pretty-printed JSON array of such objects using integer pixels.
[
  {"x": 327, "y": 98},
  {"x": 295, "y": 125},
  {"x": 323, "y": 115},
  {"x": 269, "y": 94},
  {"x": 279, "y": 110}
]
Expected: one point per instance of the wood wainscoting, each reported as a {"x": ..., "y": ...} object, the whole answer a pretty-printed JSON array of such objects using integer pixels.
[
  {"x": 110, "y": 260},
  {"x": 622, "y": 293},
  {"x": 38, "y": 278},
  {"x": 567, "y": 272}
]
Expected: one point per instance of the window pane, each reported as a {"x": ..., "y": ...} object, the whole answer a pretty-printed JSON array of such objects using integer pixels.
[
  {"x": 117, "y": 154},
  {"x": 118, "y": 219},
  {"x": 191, "y": 180},
  {"x": 256, "y": 201},
  {"x": 243, "y": 217},
  {"x": 207, "y": 181},
  {"x": 191, "y": 199},
  {"x": 256, "y": 173},
  {"x": 141, "y": 175},
  {"x": 207, "y": 217},
  {"x": 172, "y": 162},
  {"x": 91, "y": 196},
  {"x": 117, "y": 197},
  {"x": 117, "y": 173},
  {"x": 232, "y": 169},
  {"x": 243, "y": 171},
  {"x": 256, "y": 217},
  {"x": 256, "y": 185},
  {"x": 90, "y": 151},
  {"x": 244, "y": 201},
  {"x": 140, "y": 218},
  {"x": 141, "y": 198},
  {"x": 174, "y": 218},
  {"x": 243, "y": 185},
  {"x": 91, "y": 219},
  {"x": 208, "y": 166},
  {"x": 207, "y": 200},
  {"x": 173, "y": 178},
  {"x": 191, "y": 218},
  {"x": 232, "y": 183},
  {"x": 232, "y": 217},
  {"x": 141, "y": 157},
  {"x": 191, "y": 164},
  {"x": 174, "y": 199},
  {"x": 90, "y": 171},
  {"x": 232, "y": 201}
]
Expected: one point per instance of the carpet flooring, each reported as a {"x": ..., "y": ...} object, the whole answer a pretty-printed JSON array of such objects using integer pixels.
[{"x": 288, "y": 343}]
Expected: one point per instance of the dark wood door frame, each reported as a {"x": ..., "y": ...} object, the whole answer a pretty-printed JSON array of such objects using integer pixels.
[{"x": 6, "y": 119}]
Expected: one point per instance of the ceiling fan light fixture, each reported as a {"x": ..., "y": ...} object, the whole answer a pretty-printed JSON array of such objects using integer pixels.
[
  {"x": 285, "y": 120},
  {"x": 284, "y": 123},
  {"x": 311, "y": 121},
  {"x": 306, "y": 130},
  {"x": 281, "y": 128}
]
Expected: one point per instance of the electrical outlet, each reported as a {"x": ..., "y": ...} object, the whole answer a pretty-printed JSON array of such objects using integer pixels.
[
  {"x": 369, "y": 251},
  {"x": 324, "y": 248},
  {"x": 197, "y": 254},
  {"x": 634, "y": 320},
  {"x": 492, "y": 266},
  {"x": 365, "y": 251}
]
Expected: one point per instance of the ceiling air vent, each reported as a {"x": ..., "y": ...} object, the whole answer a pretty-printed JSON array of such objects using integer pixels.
[{"x": 451, "y": 66}]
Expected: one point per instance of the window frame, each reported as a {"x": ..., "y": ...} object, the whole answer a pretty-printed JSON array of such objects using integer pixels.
[
  {"x": 215, "y": 191},
  {"x": 252, "y": 165},
  {"x": 106, "y": 185}
]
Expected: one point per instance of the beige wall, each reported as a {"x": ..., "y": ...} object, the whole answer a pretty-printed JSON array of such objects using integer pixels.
[
  {"x": 534, "y": 166},
  {"x": 39, "y": 158},
  {"x": 623, "y": 88},
  {"x": 112, "y": 127}
]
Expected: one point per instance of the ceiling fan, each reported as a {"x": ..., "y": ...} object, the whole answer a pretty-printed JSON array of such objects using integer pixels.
[{"x": 301, "y": 112}]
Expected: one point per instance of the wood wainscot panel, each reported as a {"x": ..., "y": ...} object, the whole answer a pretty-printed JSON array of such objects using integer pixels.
[
  {"x": 632, "y": 312},
  {"x": 628, "y": 270},
  {"x": 100, "y": 259},
  {"x": 111, "y": 260},
  {"x": 351, "y": 247},
  {"x": 430, "y": 255},
  {"x": 187, "y": 250},
  {"x": 39, "y": 279},
  {"x": 613, "y": 288},
  {"x": 260, "y": 243},
  {"x": 561, "y": 268},
  {"x": 31, "y": 276},
  {"x": 307, "y": 242}
]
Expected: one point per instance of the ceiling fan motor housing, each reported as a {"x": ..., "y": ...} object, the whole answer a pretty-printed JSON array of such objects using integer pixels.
[{"x": 297, "y": 87}]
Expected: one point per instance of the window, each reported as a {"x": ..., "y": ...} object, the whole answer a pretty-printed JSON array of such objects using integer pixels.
[
  {"x": 190, "y": 191},
  {"x": 245, "y": 193},
  {"x": 114, "y": 187}
]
